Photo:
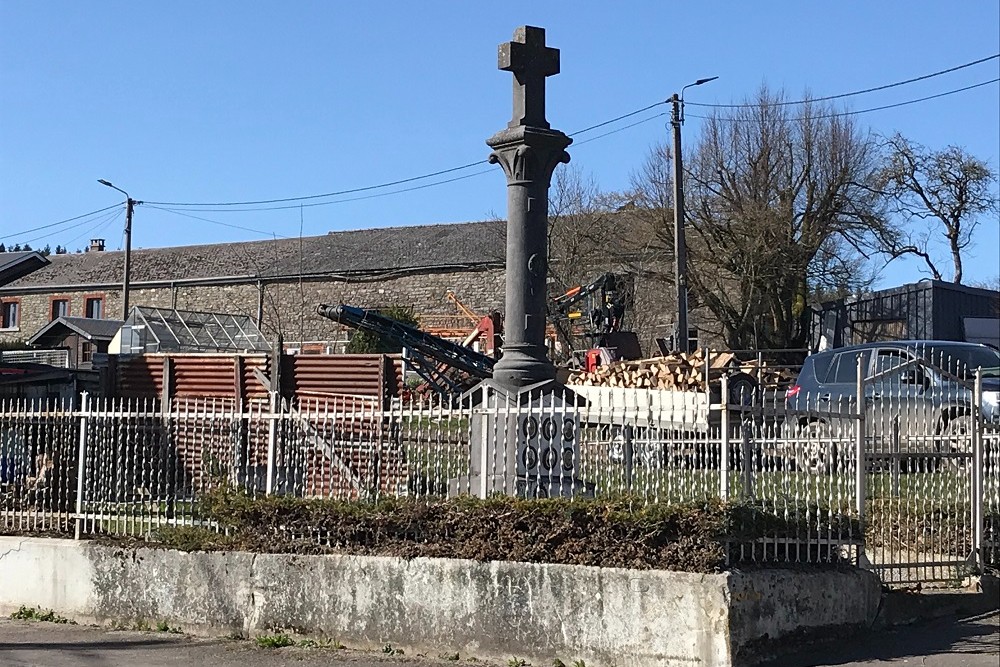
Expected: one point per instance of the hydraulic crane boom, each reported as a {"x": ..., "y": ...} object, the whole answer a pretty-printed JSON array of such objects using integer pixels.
[{"x": 423, "y": 345}]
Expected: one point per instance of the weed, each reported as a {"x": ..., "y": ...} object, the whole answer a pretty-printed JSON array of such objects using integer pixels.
[
  {"x": 558, "y": 663},
  {"x": 389, "y": 650},
  {"x": 163, "y": 626},
  {"x": 308, "y": 643},
  {"x": 517, "y": 662},
  {"x": 274, "y": 641},
  {"x": 141, "y": 625},
  {"x": 449, "y": 656},
  {"x": 579, "y": 663},
  {"x": 36, "y": 614}
]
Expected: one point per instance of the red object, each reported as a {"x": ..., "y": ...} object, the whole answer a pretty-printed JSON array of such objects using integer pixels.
[
  {"x": 792, "y": 392},
  {"x": 592, "y": 360}
]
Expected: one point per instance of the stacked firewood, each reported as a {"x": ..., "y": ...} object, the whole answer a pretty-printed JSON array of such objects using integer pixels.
[
  {"x": 677, "y": 371},
  {"x": 680, "y": 372},
  {"x": 768, "y": 375}
]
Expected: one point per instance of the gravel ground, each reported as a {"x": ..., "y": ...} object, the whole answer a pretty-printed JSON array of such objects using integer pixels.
[
  {"x": 36, "y": 644},
  {"x": 947, "y": 642}
]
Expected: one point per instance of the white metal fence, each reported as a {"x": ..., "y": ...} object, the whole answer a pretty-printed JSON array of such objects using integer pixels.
[{"x": 915, "y": 500}]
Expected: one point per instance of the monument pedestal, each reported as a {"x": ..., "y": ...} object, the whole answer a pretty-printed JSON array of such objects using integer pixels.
[{"x": 524, "y": 443}]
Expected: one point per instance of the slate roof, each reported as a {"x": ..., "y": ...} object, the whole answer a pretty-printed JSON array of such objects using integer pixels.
[
  {"x": 91, "y": 329},
  {"x": 16, "y": 264},
  {"x": 365, "y": 251}
]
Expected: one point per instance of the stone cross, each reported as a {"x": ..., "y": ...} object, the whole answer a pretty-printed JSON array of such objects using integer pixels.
[
  {"x": 528, "y": 150},
  {"x": 530, "y": 61}
]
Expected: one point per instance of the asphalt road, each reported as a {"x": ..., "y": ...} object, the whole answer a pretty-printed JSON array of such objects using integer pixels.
[
  {"x": 35, "y": 644},
  {"x": 970, "y": 642},
  {"x": 945, "y": 642}
]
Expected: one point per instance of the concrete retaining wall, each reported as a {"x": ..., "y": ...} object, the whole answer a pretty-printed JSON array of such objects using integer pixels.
[{"x": 604, "y": 616}]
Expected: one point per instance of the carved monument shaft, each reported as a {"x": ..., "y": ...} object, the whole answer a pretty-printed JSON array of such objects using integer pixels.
[{"x": 529, "y": 152}]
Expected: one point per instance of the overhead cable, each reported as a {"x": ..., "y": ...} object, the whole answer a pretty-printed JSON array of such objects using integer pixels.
[
  {"x": 61, "y": 222},
  {"x": 853, "y": 93},
  {"x": 859, "y": 111}
]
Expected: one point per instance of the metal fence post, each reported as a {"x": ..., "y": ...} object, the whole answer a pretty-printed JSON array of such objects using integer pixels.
[
  {"x": 628, "y": 456},
  {"x": 724, "y": 442},
  {"x": 977, "y": 557},
  {"x": 272, "y": 442},
  {"x": 860, "y": 489},
  {"x": 748, "y": 458},
  {"x": 80, "y": 463},
  {"x": 896, "y": 459}
]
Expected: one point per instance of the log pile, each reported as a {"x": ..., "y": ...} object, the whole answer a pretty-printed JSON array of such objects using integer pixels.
[{"x": 680, "y": 372}]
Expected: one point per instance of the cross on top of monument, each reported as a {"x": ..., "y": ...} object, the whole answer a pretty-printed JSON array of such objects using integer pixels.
[{"x": 530, "y": 61}]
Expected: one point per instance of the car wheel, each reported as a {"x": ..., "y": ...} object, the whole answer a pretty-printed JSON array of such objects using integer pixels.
[
  {"x": 816, "y": 453},
  {"x": 957, "y": 440}
]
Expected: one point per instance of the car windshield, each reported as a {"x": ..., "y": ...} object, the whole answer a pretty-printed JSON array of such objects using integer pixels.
[{"x": 963, "y": 360}]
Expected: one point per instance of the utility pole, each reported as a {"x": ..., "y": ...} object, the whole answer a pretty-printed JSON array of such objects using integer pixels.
[
  {"x": 680, "y": 246},
  {"x": 130, "y": 205}
]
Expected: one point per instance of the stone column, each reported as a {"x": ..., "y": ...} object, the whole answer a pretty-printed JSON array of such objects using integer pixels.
[{"x": 528, "y": 150}]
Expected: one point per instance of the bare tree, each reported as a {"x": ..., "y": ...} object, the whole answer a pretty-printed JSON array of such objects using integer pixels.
[
  {"x": 780, "y": 204},
  {"x": 988, "y": 283},
  {"x": 937, "y": 192},
  {"x": 583, "y": 238}
]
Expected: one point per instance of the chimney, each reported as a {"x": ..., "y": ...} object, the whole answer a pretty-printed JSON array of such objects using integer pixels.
[{"x": 96, "y": 245}]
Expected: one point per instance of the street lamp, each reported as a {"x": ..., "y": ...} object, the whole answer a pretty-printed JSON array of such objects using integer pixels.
[
  {"x": 681, "y": 341},
  {"x": 129, "y": 206}
]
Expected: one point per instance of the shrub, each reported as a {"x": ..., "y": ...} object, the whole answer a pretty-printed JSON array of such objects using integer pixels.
[{"x": 609, "y": 533}]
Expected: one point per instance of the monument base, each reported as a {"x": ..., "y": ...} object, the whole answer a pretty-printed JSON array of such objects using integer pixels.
[{"x": 524, "y": 442}]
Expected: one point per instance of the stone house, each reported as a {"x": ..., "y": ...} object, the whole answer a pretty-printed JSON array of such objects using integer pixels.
[{"x": 276, "y": 282}]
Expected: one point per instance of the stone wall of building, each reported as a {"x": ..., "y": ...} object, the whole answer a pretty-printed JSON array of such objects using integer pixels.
[
  {"x": 293, "y": 304},
  {"x": 288, "y": 306},
  {"x": 35, "y": 310}
]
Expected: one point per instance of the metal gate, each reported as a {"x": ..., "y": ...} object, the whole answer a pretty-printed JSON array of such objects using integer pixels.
[{"x": 931, "y": 484}]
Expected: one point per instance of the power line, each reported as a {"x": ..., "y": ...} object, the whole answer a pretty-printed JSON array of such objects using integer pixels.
[
  {"x": 860, "y": 111},
  {"x": 623, "y": 128},
  {"x": 96, "y": 228},
  {"x": 61, "y": 222},
  {"x": 326, "y": 203},
  {"x": 326, "y": 194},
  {"x": 615, "y": 120},
  {"x": 217, "y": 222},
  {"x": 856, "y": 92},
  {"x": 392, "y": 183},
  {"x": 108, "y": 215},
  {"x": 479, "y": 173},
  {"x": 203, "y": 206}
]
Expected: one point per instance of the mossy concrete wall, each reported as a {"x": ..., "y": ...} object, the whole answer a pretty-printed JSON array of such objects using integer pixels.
[{"x": 604, "y": 616}]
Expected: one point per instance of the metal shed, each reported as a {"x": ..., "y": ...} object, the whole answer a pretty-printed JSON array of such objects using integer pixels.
[{"x": 926, "y": 310}]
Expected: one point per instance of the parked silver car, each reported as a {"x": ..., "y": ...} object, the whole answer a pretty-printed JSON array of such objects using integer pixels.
[{"x": 919, "y": 395}]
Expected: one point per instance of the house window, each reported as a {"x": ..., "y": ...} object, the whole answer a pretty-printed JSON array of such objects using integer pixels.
[
  {"x": 60, "y": 308},
  {"x": 86, "y": 352},
  {"x": 10, "y": 315},
  {"x": 94, "y": 308}
]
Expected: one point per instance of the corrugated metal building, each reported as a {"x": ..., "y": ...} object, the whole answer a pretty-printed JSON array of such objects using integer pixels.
[{"x": 927, "y": 310}]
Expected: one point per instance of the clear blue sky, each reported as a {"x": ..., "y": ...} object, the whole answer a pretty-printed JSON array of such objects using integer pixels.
[{"x": 229, "y": 101}]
